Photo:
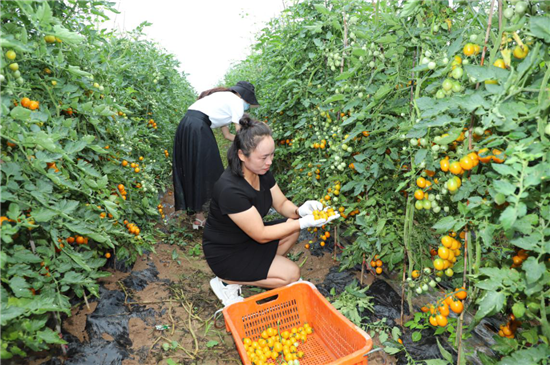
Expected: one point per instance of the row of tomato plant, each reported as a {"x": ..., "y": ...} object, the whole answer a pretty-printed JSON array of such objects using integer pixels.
[
  {"x": 87, "y": 119},
  {"x": 426, "y": 125}
]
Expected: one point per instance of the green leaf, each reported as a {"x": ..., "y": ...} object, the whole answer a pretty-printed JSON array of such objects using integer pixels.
[
  {"x": 420, "y": 156},
  {"x": 518, "y": 309},
  {"x": 446, "y": 355},
  {"x": 416, "y": 336},
  {"x": 25, "y": 256},
  {"x": 540, "y": 27},
  {"x": 49, "y": 336},
  {"x": 504, "y": 187},
  {"x": 20, "y": 287},
  {"x": 321, "y": 9},
  {"x": 73, "y": 278},
  {"x": 436, "y": 362},
  {"x": 490, "y": 303},
  {"x": 44, "y": 14},
  {"x": 66, "y": 35},
  {"x": 20, "y": 113},
  {"x": 504, "y": 169},
  {"x": 75, "y": 70},
  {"x": 537, "y": 354},
  {"x": 212, "y": 343},
  {"x": 382, "y": 91},
  {"x": 508, "y": 217},
  {"x": 43, "y": 215},
  {"x": 533, "y": 269},
  {"x": 333, "y": 98},
  {"x": 453, "y": 135},
  {"x": 444, "y": 224}
]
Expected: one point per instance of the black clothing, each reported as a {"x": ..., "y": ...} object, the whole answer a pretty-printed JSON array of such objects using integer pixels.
[
  {"x": 196, "y": 162},
  {"x": 229, "y": 251}
]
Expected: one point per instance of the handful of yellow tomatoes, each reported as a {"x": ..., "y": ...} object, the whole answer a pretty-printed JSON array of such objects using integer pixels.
[{"x": 274, "y": 344}]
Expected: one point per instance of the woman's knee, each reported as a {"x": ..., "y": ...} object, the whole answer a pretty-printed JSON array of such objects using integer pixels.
[{"x": 293, "y": 274}]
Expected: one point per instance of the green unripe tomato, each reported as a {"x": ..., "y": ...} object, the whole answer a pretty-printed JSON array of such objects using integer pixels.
[
  {"x": 457, "y": 73},
  {"x": 447, "y": 84},
  {"x": 419, "y": 290},
  {"x": 440, "y": 94},
  {"x": 419, "y": 205},
  {"x": 508, "y": 13},
  {"x": 432, "y": 283},
  {"x": 449, "y": 272},
  {"x": 14, "y": 66},
  {"x": 425, "y": 287}
]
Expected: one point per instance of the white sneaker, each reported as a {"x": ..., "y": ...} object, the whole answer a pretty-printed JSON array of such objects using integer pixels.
[{"x": 228, "y": 294}]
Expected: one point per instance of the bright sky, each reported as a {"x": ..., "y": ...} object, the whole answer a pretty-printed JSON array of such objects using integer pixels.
[{"x": 206, "y": 36}]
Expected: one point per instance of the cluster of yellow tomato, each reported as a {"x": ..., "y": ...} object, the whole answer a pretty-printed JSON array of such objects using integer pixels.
[
  {"x": 160, "y": 209},
  {"x": 510, "y": 328},
  {"x": 518, "y": 259},
  {"x": 122, "y": 191},
  {"x": 442, "y": 309},
  {"x": 133, "y": 165},
  {"x": 321, "y": 145},
  {"x": 132, "y": 228},
  {"x": 166, "y": 154},
  {"x": 323, "y": 214},
  {"x": 274, "y": 344},
  {"x": 151, "y": 124},
  {"x": 448, "y": 253},
  {"x": 377, "y": 264},
  {"x": 30, "y": 104},
  {"x": 423, "y": 200},
  {"x": 51, "y": 165},
  {"x": 335, "y": 190}
]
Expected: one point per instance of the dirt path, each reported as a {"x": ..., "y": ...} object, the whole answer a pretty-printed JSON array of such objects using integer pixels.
[{"x": 169, "y": 306}]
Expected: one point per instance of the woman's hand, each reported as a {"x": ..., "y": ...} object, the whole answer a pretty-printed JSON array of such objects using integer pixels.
[{"x": 308, "y": 207}]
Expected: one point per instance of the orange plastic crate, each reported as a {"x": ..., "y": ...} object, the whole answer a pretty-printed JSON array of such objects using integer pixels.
[{"x": 335, "y": 339}]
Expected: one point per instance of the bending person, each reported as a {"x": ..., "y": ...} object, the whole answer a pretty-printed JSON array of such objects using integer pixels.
[
  {"x": 240, "y": 248},
  {"x": 196, "y": 159}
]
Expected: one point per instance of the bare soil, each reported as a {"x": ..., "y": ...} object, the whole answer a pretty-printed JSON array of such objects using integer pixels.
[{"x": 186, "y": 305}]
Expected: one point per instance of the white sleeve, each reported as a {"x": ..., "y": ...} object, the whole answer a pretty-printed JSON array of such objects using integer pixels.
[{"x": 237, "y": 110}]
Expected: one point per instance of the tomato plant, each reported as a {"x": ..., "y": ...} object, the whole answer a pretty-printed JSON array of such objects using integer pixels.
[
  {"x": 76, "y": 104},
  {"x": 439, "y": 88}
]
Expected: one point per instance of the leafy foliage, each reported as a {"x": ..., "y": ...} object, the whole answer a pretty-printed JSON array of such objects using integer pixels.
[
  {"x": 101, "y": 99},
  {"x": 367, "y": 97}
]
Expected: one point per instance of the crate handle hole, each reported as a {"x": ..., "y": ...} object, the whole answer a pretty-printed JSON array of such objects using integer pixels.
[{"x": 267, "y": 300}]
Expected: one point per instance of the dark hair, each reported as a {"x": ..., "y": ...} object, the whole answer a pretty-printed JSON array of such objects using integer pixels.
[
  {"x": 246, "y": 140},
  {"x": 214, "y": 90}
]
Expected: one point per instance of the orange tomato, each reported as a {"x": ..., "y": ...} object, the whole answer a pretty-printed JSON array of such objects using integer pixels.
[
  {"x": 433, "y": 321},
  {"x": 457, "y": 307},
  {"x": 461, "y": 294},
  {"x": 419, "y": 194},
  {"x": 33, "y": 105},
  {"x": 441, "y": 320},
  {"x": 379, "y": 270},
  {"x": 25, "y": 102},
  {"x": 421, "y": 182},
  {"x": 444, "y": 309},
  {"x": 455, "y": 168},
  {"x": 444, "y": 164}
]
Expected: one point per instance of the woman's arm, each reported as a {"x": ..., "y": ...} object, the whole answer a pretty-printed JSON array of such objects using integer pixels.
[
  {"x": 251, "y": 222},
  {"x": 282, "y": 205},
  {"x": 227, "y": 134}
]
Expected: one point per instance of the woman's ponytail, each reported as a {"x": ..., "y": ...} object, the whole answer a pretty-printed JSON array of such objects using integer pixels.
[{"x": 246, "y": 140}]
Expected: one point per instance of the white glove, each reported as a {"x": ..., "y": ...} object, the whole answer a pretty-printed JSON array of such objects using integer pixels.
[
  {"x": 309, "y": 206},
  {"x": 309, "y": 221}
]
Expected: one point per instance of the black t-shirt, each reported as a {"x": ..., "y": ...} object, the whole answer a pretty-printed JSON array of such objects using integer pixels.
[{"x": 233, "y": 194}]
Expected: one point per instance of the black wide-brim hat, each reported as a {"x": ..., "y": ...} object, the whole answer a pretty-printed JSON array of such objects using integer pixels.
[{"x": 246, "y": 91}]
